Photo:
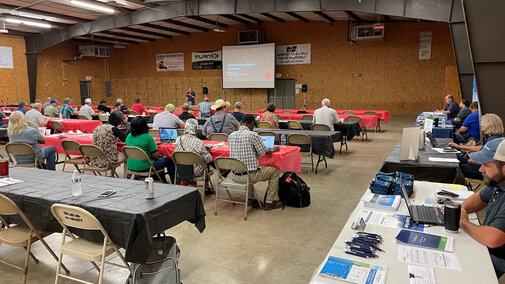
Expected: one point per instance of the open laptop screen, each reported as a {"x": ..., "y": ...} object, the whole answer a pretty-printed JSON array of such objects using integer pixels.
[
  {"x": 268, "y": 141},
  {"x": 405, "y": 196},
  {"x": 433, "y": 141},
  {"x": 168, "y": 133}
]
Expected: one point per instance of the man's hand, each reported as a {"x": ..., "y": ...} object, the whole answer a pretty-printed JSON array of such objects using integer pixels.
[
  {"x": 454, "y": 145},
  {"x": 463, "y": 218},
  {"x": 273, "y": 150}
]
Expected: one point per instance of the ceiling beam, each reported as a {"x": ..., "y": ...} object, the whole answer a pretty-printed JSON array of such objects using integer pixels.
[
  {"x": 121, "y": 41},
  {"x": 134, "y": 37},
  {"x": 207, "y": 21},
  {"x": 325, "y": 16},
  {"x": 275, "y": 18},
  {"x": 42, "y": 13},
  {"x": 235, "y": 18},
  {"x": 353, "y": 16},
  {"x": 145, "y": 32},
  {"x": 86, "y": 41},
  {"x": 162, "y": 28},
  {"x": 16, "y": 33},
  {"x": 295, "y": 15},
  {"x": 254, "y": 19},
  {"x": 186, "y": 25}
]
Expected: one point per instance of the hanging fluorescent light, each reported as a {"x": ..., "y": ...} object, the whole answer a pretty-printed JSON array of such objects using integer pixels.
[
  {"x": 93, "y": 6},
  {"x": 27, "y": 23}
]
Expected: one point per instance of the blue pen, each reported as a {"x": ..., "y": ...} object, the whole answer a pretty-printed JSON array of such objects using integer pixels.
[
  {"x": 361, "y": 249},
  {"x": 365, "y": 255},
  {"x": 370, "y": 235}
]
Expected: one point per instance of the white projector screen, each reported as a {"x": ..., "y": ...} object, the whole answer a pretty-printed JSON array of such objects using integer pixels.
[{"x": 249, "y": 66}]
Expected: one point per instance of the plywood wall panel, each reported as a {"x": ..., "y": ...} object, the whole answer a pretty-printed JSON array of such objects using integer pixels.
[{"x": 14, "y": 82}]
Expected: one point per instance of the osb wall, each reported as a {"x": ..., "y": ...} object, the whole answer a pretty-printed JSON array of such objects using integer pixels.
[
  {"x": 60, "y": 79},
  {"x": 391, "y": 75},
  {"x": 14, "y": 82},
  {"x": 452, "y": 82}
]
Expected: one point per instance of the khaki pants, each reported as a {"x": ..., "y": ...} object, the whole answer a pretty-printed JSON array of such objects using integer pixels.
[{"x": 263, "y": 174}]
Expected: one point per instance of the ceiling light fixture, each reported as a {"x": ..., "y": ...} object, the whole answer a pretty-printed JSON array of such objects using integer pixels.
[
  {"x": 27, "y": 23},
  {"x": 217, "y": 29},
  {"x": 93, "y": 6},
  {"x": 4, "y": 30}
]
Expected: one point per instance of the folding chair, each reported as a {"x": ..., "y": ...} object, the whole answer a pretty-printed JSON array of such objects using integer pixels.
[
  {"x": 218, "y": 137},
  {"x": 32, "y": 125},
  {"x": 136, "y": 153},
  {"x": 348, "y": 112},
  {"x": 363, "y": 129},
  {"x": 369, "y": 112},
  {"x": 58, "y": 127},
  {"x": 293, "y": 124},
  {"x": 155, "y": 133},
  {"x": 227, "y": 184},
  {"x": 287, "y": 111},
  {"x": 19, "y": 236},
  {"x": 76, "y": 217},
  {"x": 83, "y": 117},
  {"x": 322, "y": 127},
  {"x": 277, "y": 140},
  {"x": 308, "y": 117},
  {"x": 192, "y": 158},
  {"x": 480, "y": 184},
  {"x": 71, "y": 146},
  {"x": 92, "y": 151},
  {"x": 302, "y": 140},
  {"x": 132, "y": 112},
  {"x": 104, "y": 118},
  {"x": 16, "y": 148},
  {"x": 264, "y": 124}
]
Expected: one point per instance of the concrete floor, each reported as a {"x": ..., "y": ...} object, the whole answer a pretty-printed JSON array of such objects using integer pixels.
[{"x": 280, "y": 246}]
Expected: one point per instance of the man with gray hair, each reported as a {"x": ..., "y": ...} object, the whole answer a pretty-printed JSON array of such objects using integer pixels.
[
  {"x": 86, "y": 110},
  {"x": 326, "y": 115},
  {"x": 237, "y": 113},
  {"x": 35, "y": 116}
]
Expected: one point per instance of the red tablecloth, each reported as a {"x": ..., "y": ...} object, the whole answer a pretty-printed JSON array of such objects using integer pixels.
[
  {"x": 177, "y": 112},
  {"x": 292, "y": 116},
  {"x": 383, "y": 114},
  {"x": 84, "y": 138},
  {"x": 288, "y": 159},
  {"x": 83, "y": 125},
  {"x": 371, "y": 121}
]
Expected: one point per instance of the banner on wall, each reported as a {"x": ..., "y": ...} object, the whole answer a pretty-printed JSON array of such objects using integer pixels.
[
  {"x": 292, "y": 54},
  {"x": 206, "y": 60},
  {"x": 170, "y": 62},
  {"x": 425, "y": 45},
  {"x": 6, "y": 60}
]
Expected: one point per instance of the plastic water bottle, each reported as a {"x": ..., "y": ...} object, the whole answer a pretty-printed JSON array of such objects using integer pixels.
[
  {"x": 76, "y": 183},
  {"x": 283, "y": 140},
  {"x": 443, "y": 122},
  {"x": 61, "y": 116}
]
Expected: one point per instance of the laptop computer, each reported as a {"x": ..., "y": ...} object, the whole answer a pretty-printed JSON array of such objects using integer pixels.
[
  {"x": 435, "y": 143},
  {"x": 422, "y": 214},
  {"x": 168, "y": 135},
  {"x": 268, "y": 141}
]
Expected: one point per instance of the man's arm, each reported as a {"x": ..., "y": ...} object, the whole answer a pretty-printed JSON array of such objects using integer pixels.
[
  {"x": 463, "y": 129},
  {"x": 473, "y": 203},
  {"x": 486, "y": 235}
]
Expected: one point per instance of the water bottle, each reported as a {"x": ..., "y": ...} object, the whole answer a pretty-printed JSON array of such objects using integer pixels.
[
  {"x": 283, "y": 140},
  {"x": 443, "y": 122},
  {"x": 61, "y": 115},
  {"x": 76, "y": 183}
]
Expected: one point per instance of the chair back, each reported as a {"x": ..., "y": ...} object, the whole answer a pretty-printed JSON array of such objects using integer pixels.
[
  {"x": 16, "y": 148},
  {"x": 293, "y": 124},
  {"x": 187, "y": 158},
  {"x": 348, "y": 112},
  {"x": 58, "y": 126},
  {"x": 301, "y": 140},
  {"x": 8, "y": 207},
  {"x": 31, "y": 124},
  {"x": 90, "y": 151},
  {"x": 154, "y": 132},
  {"x": 104, "y": 118},
  {"x": 320, "y": 127},
  {"x": 271, "y": 133},
  {"x": 256, "y": 115},
  {"x": 83, "y": 117},
  {"x": 308, "y": 117},
  {"x": 227, "y": 163},
  {"x": 264, "y": 124},
  {"x": 354, "y": 119},
  {"x": 135, "y": 153},
  {"x": 369, "y": 112},
  {"x": 70, "y": 146},
  {"x": 177, "y": 109},
  {"x": 287, "y": 111},
  {"x": 218, "y": 137},
  {"x": 132, "y": 112},
  {"x": 76, "y": 217}
]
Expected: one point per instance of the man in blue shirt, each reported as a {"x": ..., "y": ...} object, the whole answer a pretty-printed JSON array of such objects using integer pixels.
[
  {"x": 205, "y": 107},
  {"x": 471, "y": 127},
  {"x": 22, "y": 107},
  {"x": 237, "y": 113},
  {"x": 451, "y": 108},
  {"x": 66, "y": 110}
]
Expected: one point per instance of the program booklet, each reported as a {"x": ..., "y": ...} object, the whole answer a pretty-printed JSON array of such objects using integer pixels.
[
  {"x": 383, "y": 202},
  {"x": 425, "y": 240},
  {"x": 353, "y": 271}
]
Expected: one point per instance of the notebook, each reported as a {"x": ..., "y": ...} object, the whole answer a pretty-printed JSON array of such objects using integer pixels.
[
  {"x": 168, "y": 135},
  {"x": 268, "y": 141}
]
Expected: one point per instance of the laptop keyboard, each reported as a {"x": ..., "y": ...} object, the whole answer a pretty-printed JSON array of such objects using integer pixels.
[{"x": 427, "y": 214}]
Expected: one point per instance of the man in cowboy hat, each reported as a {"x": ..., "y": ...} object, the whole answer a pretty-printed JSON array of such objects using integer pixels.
[{"x": 220, "y": 122}]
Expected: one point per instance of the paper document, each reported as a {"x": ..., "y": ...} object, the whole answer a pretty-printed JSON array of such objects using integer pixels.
[
  {"x": 353, "y": 271},
  {"x": 8, "y": 181},
  {"x": 389, "y": 220},
  {"x": 463, "y": 194},
  {"x": 452, "y": 186},
  {"x": 434, "y": 258},
  {"x": 446, "y": 160},
  {"x": 443, "y": 151},
  {"x": 421, "y": 275}
]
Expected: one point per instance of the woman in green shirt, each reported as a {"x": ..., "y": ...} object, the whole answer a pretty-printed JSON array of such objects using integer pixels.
[{"x": 141, "y": 139}]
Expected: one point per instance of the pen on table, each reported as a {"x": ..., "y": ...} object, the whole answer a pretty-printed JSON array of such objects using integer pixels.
[
  {"x": 365, "y": 255},
  {"x": 361, "y": 249},
  {"x": 370, "y": 234}
]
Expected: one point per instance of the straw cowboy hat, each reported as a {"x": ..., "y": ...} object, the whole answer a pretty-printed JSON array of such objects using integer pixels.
[{"x": 220, "y": 103}]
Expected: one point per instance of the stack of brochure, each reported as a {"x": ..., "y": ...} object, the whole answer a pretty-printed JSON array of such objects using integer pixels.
[
  {"x": 382, "y": 202},
  {"x": 353, "y": 271}
]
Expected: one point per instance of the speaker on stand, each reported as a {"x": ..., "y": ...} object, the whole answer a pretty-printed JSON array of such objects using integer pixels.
[
  {"x": 205, "y": 91},
  {"x": 304, "y": 91}
]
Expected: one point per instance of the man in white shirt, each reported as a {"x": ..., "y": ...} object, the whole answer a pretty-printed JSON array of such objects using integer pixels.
[
  {"x": 167, "y": 119},
  {"x": 35, "y": 116},
  {"x": 86, "y": 110},
  {"x": 326, "y": 115}
]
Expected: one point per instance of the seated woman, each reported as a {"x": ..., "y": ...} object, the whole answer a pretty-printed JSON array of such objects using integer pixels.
[
  {"x": 492, "y": 128},
  {"x": 270, "y": 116},
  {"x": 139, "y": 137},
  {"x": 18, "y": 131},
  {"x": 105, "y": 137},
  {"x": 189, "y": 142}
]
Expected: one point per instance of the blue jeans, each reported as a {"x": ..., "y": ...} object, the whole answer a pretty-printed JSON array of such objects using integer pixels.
[
  {"x": 48, "y": 154},
  {"x": 498, "y": 264},
  {"x": 463, "y": 138},
  {"x": 165, "y": 163},
  {"x": 469, "y": 170}
]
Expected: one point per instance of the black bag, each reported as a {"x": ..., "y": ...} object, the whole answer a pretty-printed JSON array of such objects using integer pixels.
[
  {"x": 293, "y": 191},
  {"x": 161, "y": 266}
]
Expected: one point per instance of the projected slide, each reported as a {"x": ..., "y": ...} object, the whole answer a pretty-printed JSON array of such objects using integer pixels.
[{"x": 249, "y": 66}]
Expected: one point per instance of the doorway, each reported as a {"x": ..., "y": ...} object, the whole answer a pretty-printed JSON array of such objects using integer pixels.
[
  {"x": 84, "y": 87},
  {"x": 283, "y": 95}
]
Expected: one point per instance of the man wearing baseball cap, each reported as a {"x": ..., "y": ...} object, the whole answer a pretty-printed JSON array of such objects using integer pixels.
[
  {"x": 167, "y": 119},
  {"x": 66, "y": 110},
  {"x": 492, "y": 232},
  {"x": 220, "y": 122},
  {"x": 52, "y": 109},
  {"x": 86, "y": 110}
]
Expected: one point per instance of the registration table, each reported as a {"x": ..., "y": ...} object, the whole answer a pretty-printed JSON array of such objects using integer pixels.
[
  {"x": 129, "y": 218},
  {"x": 288, "y": 158},
  {"x": 474, "y": 259}
]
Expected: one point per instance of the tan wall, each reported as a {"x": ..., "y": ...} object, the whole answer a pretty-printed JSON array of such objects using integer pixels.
[
  {"x": 14, "y": 82},
  {"x": 392, "y": 76}
]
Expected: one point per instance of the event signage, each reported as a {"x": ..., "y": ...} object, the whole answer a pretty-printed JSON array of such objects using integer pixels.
[
  {"x": 292, "y": 54},
  {"x": 206, "y": 60},
  {"x": 425, "y": 45},
  {"x": 170, "y": 62},
  {"x": 6, "y": 60}
]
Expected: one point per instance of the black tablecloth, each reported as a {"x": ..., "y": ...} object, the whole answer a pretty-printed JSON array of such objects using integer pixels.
[
  {"x": 424, "y": 169},
  {"x": 147, "y": 118},
  {"x": 129, "y": 218},
  {"x": 347, "y": 128},
  {"x": 322, "y": 141}
]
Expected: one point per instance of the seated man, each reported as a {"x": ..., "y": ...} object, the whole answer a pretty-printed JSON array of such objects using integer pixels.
[
  {"x": 451, "y": 108},
  {"x": 462, "y": 114},
  {"x": 167, "y": 119},
  {"x": 471, "y": 127},
  {"x": 220, "y": 122},
  {"x": 66, "y": 110},
  {"x": 35, "y": 116},
  {"x": 205, "y": 107},
  {"x": 326, "y": 115},
  {"x": 237, "y": 113},
  {"x": 138, "y": 107},
  {"x": 52, "y": 109},
  {"x": 492, "y": 232},
  {"x": 86, "y": 110},
  {"x": 185, "y": 115},
  {"x": 103, "y": 107},
  {"x": 247, "y": 146},
  {"x": 22, "y": 107}
]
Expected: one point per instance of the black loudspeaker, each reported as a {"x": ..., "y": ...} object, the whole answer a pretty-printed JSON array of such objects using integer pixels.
[
  {"x": 304, "y": 88},
  {"x": 205, "y": 90}
]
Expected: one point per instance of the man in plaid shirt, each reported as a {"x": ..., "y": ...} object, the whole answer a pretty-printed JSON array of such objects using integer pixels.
[{"x": 247, "y": 146}]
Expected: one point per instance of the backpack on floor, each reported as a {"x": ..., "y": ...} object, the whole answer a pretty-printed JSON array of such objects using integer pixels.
[
  {"x": 293, "y": 191},
  {"x": 161, "y": 266}
]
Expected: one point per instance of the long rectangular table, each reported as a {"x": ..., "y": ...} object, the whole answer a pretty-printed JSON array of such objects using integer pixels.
[
  {"x": 83, "y": 125},
  {"x": 129, "y": 218},
  {"x": 476, "y": 266},
  {"x": 347, "y": 128},
  {"x": 383, "y": 114}
]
